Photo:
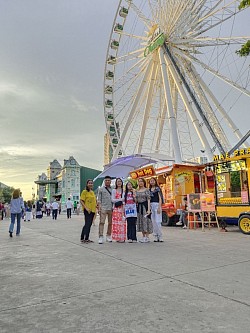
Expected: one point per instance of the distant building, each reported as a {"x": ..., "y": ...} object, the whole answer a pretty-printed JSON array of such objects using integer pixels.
[
  {"x": 65, "y": 181},
  {"x": 41, "y": 187}
]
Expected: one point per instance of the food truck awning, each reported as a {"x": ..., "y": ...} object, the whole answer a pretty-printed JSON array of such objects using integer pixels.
[{"x": 122, "y": 166}]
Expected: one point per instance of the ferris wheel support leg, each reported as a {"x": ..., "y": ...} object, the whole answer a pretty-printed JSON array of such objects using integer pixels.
[
  {"x": 189, "y": 108},
  {"x": 161, "y": 125},
  {"x": 148, "y": 105},
  {"x": 132, "y": 112},
  {"x": 230, "y": 122},
  {"x": 170, "y": 109}
]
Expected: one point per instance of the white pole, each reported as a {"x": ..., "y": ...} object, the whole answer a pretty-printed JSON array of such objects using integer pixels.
[{"x": 171, "y": 115}]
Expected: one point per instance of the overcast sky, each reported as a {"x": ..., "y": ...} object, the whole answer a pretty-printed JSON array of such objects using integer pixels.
[{"x": 52, "y": 59}]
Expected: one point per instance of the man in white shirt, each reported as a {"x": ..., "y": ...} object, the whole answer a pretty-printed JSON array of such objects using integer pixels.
[
  {"x": 69, "y": 206},
  {"x": 55, "y": 207}
]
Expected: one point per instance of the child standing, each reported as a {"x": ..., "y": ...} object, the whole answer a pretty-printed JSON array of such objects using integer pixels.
[{"x": 130, "y": 212}]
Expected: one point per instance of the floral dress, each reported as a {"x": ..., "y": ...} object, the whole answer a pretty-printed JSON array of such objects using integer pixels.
[
  {"x": 144, "y": 224},
  {"x": 119, "y": 227}
]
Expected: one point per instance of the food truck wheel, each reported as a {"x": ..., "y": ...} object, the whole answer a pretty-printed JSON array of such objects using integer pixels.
[
  {"x": 244, "y": 224},
  {"x": 165, "y": 219}
]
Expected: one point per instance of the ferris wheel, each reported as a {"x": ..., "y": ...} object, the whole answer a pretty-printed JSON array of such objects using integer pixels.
[{"x": 173, "y": 82}]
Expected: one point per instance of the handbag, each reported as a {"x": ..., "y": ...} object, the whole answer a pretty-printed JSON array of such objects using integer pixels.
[{"x": 118, "y": 203}]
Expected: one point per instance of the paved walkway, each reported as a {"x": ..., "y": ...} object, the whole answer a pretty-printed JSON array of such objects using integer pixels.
[{"x": 193, "y": 282}]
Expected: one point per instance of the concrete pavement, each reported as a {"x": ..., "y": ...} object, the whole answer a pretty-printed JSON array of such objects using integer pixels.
[{"x": 193, "y": 282}]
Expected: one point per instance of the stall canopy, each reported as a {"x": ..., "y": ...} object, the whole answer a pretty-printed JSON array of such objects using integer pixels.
[{"x": 122, "y": 166}]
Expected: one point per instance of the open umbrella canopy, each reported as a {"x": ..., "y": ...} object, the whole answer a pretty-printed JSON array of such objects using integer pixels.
[{"x": 122, "y": 166}]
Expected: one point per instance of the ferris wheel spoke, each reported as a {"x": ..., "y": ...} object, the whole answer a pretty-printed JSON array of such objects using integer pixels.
[
  {"x": 218, "y": 131},
  {"x": 177, "y": 17},
  {"x": 188, "y": 105},
  {"x": 220, "y": 76},
  {"x": 218, "y": 21},
  {"x": 140, "y": 63},
  {"x": 219, "y": 107},
  {"x": 133, "y": 36},
  {"x": 148, "y": 105},
  {"x": 210, "y": 41},
  {"x": 139, "y": 13},
  {"x": 129, "y": 54},
  {"x": 132, "y": 111}
]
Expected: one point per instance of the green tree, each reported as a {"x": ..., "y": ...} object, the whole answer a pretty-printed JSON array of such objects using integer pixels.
[
  {"x": 245, "y": 48},
  {"x": 6, "y": 193}
]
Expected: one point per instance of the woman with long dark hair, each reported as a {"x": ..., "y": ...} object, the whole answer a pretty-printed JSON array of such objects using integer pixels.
[
  {"x": 88, "y": 202},
  {"x": 156, "y": 212},
  {"x": 144, "y": 223},
  {"x": 118, "y": 220},
  {"x": 130, "y": 212}
]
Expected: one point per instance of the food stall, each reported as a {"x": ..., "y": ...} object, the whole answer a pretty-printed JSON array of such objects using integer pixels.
[
  {"x": 232, "y": 182},
  {"x": 176, "y": 182}
]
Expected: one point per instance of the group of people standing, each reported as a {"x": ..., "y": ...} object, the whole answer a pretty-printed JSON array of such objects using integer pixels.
[{"x": 128, "y": 211}]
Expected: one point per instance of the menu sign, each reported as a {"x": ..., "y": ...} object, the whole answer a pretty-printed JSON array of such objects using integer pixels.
[
  {"x": 207, "y": 202},
  {"x": 201, "y": 202},
  {"x": 194, "y": 203}
]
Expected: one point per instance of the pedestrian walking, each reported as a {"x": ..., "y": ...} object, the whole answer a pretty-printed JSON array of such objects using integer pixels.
[
  {"x": 130, "y": 212},
  {"x": 69, "y": 206},
  {"x": 16, "y": 207},
  {"x": 144, "y": 223},
  {"x": 1, "y": 210},
  {"x": 48, "y": 208},
  {"x": 118, "y": 219},
  {"x": 156, "y": 211},
  {"x": 55, "y": 207},
  {"x": 28, "y": 211},
  {"x": 105, "y": 209},
  {"x": 88, "y": 202},
  {"x": 75, "y": 207},
  {"x": 39, "y": 213}
]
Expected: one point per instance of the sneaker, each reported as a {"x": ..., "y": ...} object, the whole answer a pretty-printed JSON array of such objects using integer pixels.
[
  {"x": 108, "y": 239},
  {"x": 184, "y": 227},
  {"x": 142, "y": 240},
  {"x": 156, "y": 239},
  {"x": 10, "y": 234},
  {"x": 100, "y": 241},
  {"x": 161, "y": 240},
  {"x": 179, "y": 223},
  {"x": 130, "y": 241},
  {"x": 147, "y": 240}
]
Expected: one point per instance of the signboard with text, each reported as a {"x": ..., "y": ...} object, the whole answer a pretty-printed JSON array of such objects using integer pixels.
[{"x": 148, "y": 171}]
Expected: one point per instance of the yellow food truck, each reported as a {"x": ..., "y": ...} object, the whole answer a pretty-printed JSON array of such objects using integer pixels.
[{"x": 232, "y": 182}]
